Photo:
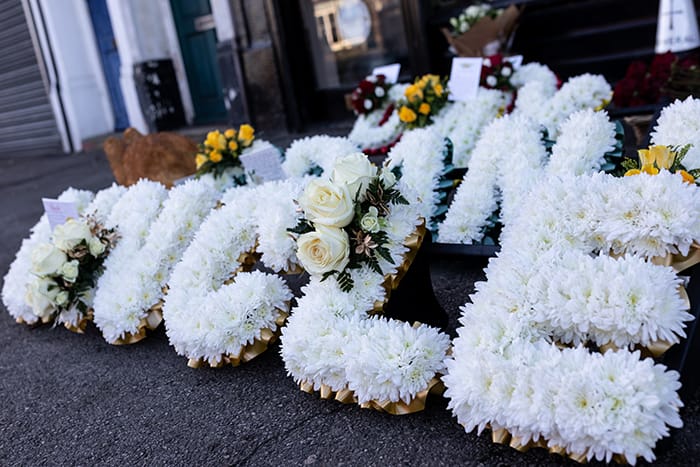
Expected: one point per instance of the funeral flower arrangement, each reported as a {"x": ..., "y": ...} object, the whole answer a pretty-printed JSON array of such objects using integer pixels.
[
  {"x": 377, "y": 131},
  {"x": 220, "y": 152},
  {"x": 496, "y": 73},
  {"x": 678, "y": 125},
  {"x": 422, "y": 101},
  {"x": 26, "y": 296},
  {"x": 217, "y": 311},
  {"x": 130, "y": 297},
  {"x": 355, "y": 231},
  {"x": 371, "y": 94},
  {"x": 659, "y": 157},
  {"x": 549, "y": 355}
]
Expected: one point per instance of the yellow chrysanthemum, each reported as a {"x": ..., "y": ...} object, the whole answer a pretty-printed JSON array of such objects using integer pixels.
[
  {"x": 230, "y": 133},
  {"x": 245, "y": 134},
  {"x": 215, "y": 157},
  {"x": 407, "y": 115},
  {"x": 200, "y": 160},
  {"x": 687, "y": 177},
  {"x": 424, "y": 108},
  {"x": 232, "y": 145}
]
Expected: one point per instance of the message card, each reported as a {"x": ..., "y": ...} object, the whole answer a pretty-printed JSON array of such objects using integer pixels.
[
  {"x": 390, "y": 71},
  {"x": 464, "y": 78},
  {"x": 264, "y": 164},
  {"x": 58, "y": 212}
]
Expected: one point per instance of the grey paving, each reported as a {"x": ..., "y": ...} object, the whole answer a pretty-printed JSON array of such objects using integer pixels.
[{"x": 68, "y": 399}]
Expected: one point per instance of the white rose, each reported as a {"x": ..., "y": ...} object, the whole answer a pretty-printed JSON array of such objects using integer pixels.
[
  {"x": 61, "y": 298},
  {"x": 67, "y": 236},
  {"x": 388, "y": 178},
  {"x": 323, "y": 250},
  {"x": 354, "y": 170},
  {"x": 47, "y": 259},
  {"x": 487, "y": 62},
  {"x": 40, "y": 296},
  {"x": 96, "y": 247},
  {"x": 379, "y": 92},
  {"x": 505, "y": 71},
  {"x": 491, "y": 80},
  {"x": 368, "y": 104},
  {"x": 370, "y": 221},
  {"x": 69, "y": 270},
  {"x": 473, "y": 11},
  {"x": 327, "y": 203}
]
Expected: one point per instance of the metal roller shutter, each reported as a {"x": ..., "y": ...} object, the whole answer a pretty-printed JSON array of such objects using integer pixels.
[{"x": 27, "y": 122}]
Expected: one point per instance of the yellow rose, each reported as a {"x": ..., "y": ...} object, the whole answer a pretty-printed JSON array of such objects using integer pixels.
[
  {"x": 215, "y": 156},
  {"x": 246, "y": 134},
  {"x": 355, "y": 171},
  {"x": 650, "y": 169},
  {"x": 200, "y": 160},
  {"x": 327, "y": 204},
  {"x": 413, "y": 93},
  {"x": 662, "y": 155},
  {"x": 230, "y": 133},
  {"x": 438, "y": 89},
  {"x": 324, "y": 250},
  {"x": 212, "y": 139},
  {"x": 407, "y": 115},
  {"x": 424, "y": 108},
  {"x": 232, "y": 145}
]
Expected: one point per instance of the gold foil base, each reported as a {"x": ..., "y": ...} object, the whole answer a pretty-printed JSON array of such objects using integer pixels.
[
  {"x": 247, "y": 352},
  {"x": 82, "y": 324},
  {"x": 149, "y": 323},
  {"x": 347, "y": 396},
  {"x": 504, "y": 437}
]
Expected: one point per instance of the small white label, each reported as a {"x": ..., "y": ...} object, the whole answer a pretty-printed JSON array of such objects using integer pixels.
[
  {"x": 58, "y": 212},
  {"x": 464, "y": 78},
  {"x": 515, "y": 60},
  {"x": 264, "y": 164},
  {"x": 391, "y": 72}
]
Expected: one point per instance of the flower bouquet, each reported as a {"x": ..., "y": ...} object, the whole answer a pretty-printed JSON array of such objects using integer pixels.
[
  {"x": 220, "y": 153},
  {"x": 481, "y": 30},
  {"x": 377, "y": 127},
  {"x": 357, "y": 238},
  {"x": 422, "y": 101},
  {"x": 67, "y": 270},
  {"x": 659, "y": 157},
  {"x": 496, "y": 73}
]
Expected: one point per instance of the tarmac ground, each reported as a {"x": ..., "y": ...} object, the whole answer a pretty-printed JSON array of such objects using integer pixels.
[{"x": 74, "y": 399}]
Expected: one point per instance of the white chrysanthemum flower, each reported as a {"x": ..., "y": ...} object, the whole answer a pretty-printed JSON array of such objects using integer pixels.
[
  {"x": 678, "y": 125},
  {"x": 315, "y": 151},
  {"x": 584, "y": 138},
  {"x": 18, "y": 276},
  {"x": 532, "y": 72}
]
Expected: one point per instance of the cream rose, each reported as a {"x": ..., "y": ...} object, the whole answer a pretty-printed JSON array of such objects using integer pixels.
[
  {"x": 324, "y": 250},
  {"x": 47, "y": 259},
  {"x": 355, "y": 171},
  {"x": 96, "y": 247},
  {"x": 69, "y": 270},
  {"x": 370, "y": 221},
  {"x": 40, "y": 296},
  {"x": 327, "y": 204},
  {"x": 67, "y": 236},
  {"x": 388, "y": 178}
]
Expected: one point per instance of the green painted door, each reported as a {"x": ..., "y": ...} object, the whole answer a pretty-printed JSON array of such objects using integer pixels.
[{"x": 195, "y": 29}]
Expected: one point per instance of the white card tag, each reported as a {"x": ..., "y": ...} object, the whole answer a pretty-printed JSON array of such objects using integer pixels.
[
  {"x": 264, "y": 163},
  {"x": 515, "y": 60},
  {"x": 390, "y": 71},
  {"x": 464, "y": 78},
  {"x": 58, "y": 212}
]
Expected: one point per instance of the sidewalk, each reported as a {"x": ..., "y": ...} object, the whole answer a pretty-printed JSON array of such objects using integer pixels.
[{"x": 74, "y": 399}]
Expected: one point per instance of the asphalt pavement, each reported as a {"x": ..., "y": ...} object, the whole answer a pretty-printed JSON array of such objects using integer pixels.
[{"x": 69, "y": 399}]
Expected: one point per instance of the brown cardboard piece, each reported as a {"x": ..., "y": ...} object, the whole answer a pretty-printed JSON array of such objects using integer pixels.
[{"x": 486, "y": 30}]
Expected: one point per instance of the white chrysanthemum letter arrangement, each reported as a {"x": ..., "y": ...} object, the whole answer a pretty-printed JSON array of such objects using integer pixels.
[
  {"x": 379, "y": 128},
  {"x": 551, "y": 349},
  {"x": 358, "y": 238},
  {"x": 217, "y": 312},
  {"x": 315, "y": 155},
  {"x": 129, "y": 296},
  {"x": 54, "y": 274}
]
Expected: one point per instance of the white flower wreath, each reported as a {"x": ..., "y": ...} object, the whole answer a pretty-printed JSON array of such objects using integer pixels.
[
  {"x": 678, "y": 125},
  {"x": 315, "y": 154},
  {"x": 505, "y": 372},
  {"x": 210, "y": 320},
  {"x": 132, "y": 215},
  {"x": 330, "y": 341},
  {"x": 18, "y": 277},
  {"x": 367, "y": 134},
  {"x": 120, "y": 310}
]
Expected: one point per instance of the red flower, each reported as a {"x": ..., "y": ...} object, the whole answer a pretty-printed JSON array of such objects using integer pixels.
[
  {"x": 366, "y": 86},
  {"x": 636, "y": 70}
]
